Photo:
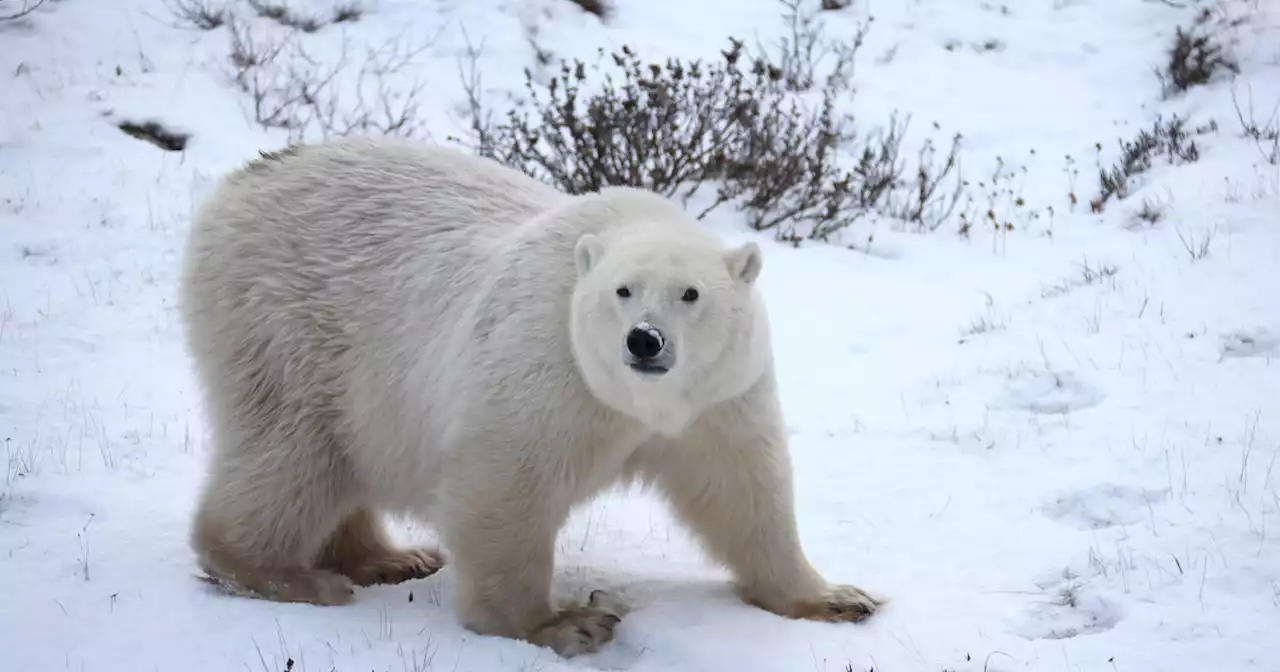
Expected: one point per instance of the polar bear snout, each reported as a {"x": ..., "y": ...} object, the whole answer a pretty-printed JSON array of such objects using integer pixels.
[
  {"x": 644, "y": 341},
  {"x": 647, "y": 350}
]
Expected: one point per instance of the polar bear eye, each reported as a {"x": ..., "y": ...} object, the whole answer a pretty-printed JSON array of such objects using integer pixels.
[
  {"x": 690, "y": 295},
  {"x": 624, "y": 292}
]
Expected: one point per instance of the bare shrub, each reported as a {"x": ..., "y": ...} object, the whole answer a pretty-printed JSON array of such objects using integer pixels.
[
  {"x": 201, "y": 14},
  {"x": 28, "y": 6},
  {"x": 379, "y": 107},
  {"x": 1193, "y": 60},
  {"x": 632, "y": 132},
  {"x": 1265, "y": 136},
  {"x": 1089, "y": 274},
  {"x": 797, "y": 53},
  {"x": 293, "y": 91},
  {"x": 250, "y": 55},
  {"x": 1198, "y": 246},
  {"x": 285, "y": 16},
  {"x": 673, "y": 127},
  {"x": 599, "y": 8},
  {"x": 802, "y": 51},
  {"x": 1150, "y": 213},
  {"x": 1168, "y": 139},
  {"x": 249, "y": 51},
  {"x": 347, "y": 12}
]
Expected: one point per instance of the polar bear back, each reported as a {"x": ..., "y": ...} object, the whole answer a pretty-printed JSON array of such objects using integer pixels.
[{"x": 370, "y": 280}]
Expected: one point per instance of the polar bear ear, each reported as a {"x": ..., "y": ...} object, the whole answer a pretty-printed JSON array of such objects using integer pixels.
[
  {"x": 587, "y": 252},
  {"x": 744, "y": 262}
]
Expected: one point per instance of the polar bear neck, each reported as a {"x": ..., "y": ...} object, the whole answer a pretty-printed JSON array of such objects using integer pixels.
[
  {"x": 663, "y": 414},
  {"x": 664, "y": 405}
]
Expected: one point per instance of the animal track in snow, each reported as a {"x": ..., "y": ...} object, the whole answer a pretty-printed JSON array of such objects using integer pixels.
[
  {"x": 1049, "y": 392},
  {"x": 1258, "y": 342},
  {"x": 1102, "y": 505},
  {"x": 1070, "y": 612},
  {"x": 1068, "y": 608},
  {"x": 38, "y": 252}
]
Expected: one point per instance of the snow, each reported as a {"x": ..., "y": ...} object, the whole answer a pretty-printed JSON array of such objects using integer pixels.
[{"x": 1043, "y": 468}]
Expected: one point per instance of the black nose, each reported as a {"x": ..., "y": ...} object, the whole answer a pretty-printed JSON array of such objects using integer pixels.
[{"x": 644, "y": 342}]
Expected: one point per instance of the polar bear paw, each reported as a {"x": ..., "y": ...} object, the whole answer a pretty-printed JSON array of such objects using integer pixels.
[
  {"x": 841, "y": 603},
  {"x": 398, "y": 567},
  {"x": 581, "y": 629}
]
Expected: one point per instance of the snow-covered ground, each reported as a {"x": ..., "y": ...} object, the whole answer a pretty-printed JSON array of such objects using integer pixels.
[{"x": 1045, "y": 467}]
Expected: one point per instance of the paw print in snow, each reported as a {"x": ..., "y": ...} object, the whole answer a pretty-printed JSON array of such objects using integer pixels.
[
  {"x": 1068, "y": 608},
  {"x": 1249, "y": 343},
  {"x": 1047, "y": 392},
  {"x": 1103, "y": 505}
]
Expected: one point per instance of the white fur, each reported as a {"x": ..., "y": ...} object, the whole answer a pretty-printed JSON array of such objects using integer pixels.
[
  {"x": 720, "y": 341},
  {"x": 384, "y": 326}
]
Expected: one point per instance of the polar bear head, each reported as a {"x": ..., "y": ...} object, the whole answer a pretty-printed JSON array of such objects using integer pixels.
[{"x": 666, "y": 320}]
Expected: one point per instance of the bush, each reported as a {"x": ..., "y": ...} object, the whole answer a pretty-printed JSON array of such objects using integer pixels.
[
  {"x": 200, "y": 14},
  {"x": 295, "y": 92},
  {"x": 738, "y": 122},
  {"x": 348, "y": 12},
  {"x": 1193, "y": 60},
  {"x": 599, "y": 8},
  {"x": 1266, "y": 135},
  {"x": 1168, "y": 139},
  {"x": 286, "y": 17}
]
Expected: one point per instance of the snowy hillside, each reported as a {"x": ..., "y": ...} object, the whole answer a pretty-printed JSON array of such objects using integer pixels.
[{"x": 1048, "y": 431}]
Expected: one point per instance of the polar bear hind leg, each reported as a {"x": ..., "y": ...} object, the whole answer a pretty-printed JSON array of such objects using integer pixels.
[
  {"x": 260, "y": 520},
  {"x": 280, "y": 516}
]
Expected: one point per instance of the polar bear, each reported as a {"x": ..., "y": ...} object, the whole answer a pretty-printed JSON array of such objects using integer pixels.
[{"x": 383, "y": 326}]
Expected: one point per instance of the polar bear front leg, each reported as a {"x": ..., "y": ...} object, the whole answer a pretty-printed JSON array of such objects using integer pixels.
[
  {"x": 729, "y": 480},
  {"x": 502, "y": 541}
]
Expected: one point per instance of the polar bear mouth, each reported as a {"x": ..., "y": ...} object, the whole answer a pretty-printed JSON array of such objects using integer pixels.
[{"x": 648, "y": 368}]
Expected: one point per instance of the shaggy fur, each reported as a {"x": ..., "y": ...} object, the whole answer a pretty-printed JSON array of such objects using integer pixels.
[{"x": 380, "y": 326}]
